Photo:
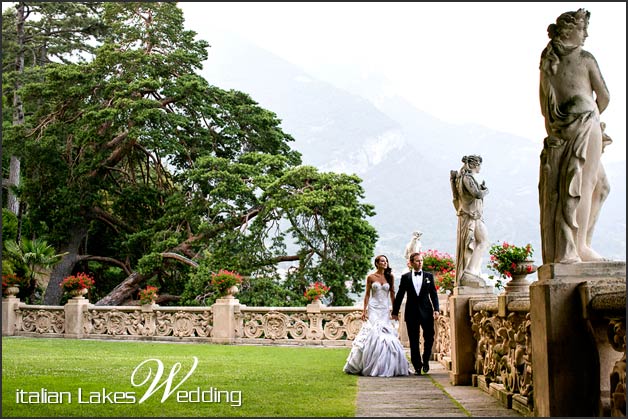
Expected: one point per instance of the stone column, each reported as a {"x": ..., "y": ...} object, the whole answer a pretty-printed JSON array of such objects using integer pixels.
[
  {"x": 9, "y": 305},
  {"x": 315, "y": 332},
  {"x": 462, "y": 341},
  {"x": 566, "y": 364},
  {"x": 223, "y": 312},
  {"x": 74, "y": 309}
]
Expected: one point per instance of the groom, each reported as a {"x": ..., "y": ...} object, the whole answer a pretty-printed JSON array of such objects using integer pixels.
[{"x": 421, "y": 310}]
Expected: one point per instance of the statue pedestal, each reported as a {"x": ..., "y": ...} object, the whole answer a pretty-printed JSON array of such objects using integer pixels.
[
  {"x": 564, "y": 350},
  {"x": 462, "y": 341},
  {"x": 223, "y": 310}
]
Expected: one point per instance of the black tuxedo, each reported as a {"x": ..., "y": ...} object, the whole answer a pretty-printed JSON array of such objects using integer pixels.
[{"x": 419, "y": 313}]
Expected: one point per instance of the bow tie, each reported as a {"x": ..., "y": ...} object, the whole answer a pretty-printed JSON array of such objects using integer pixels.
[{"x": 418, "y": 273}]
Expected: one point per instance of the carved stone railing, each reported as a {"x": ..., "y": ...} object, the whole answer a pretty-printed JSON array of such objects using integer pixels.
[
  {"x": 225, "y": 322},
  {"x": 181, "y": 323},
  {"x": 503, "y": 356},
  {"x": 441, "y": 351},
  {"x": 604, "y": 310},
  {"x": 39, "y": 320},
  {"x": 314, "y": 324}
]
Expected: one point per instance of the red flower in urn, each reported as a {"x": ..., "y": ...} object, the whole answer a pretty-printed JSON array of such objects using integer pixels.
[
  {"x": 315, "y": 291},
  {"x": 80, "y": 281}
]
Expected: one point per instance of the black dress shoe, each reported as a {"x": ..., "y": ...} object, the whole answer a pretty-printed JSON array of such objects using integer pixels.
[
  {"x": 417, "y": 372},
  {"x": 426, "y": 368}
]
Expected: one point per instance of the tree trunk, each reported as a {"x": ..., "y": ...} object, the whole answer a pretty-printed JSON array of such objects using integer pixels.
[
  {"x": 64, "y": 267},
  {"x": 13, "y": 202},
  {"x": 123, "y": 291}
]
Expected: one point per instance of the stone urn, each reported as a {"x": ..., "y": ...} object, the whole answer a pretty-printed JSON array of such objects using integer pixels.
[
  {"x": 518, "y": 283},
  {"x": 11, "y": 291},
  {"x": 79, "y": 293},
  {"x": 232, "y": 291}
]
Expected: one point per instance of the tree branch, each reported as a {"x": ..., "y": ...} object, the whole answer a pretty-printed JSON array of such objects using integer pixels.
[
  {"x": 180, "y": 258},
  {"x": 105, "y": 259}
]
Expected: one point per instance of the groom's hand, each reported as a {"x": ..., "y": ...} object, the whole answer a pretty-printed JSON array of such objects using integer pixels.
[{"x": 436, "y": 314}]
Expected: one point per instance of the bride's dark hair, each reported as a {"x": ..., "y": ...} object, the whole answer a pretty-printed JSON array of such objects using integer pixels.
[{"x": 387, "y": 272}]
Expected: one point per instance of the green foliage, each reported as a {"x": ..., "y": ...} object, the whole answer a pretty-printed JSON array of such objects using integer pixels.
[
  {"x": 9, "y": 225},
  {"x": 130, "y": 152},
  {"x": 267, "y": 292},
  {"x": 30, "y": 259}
]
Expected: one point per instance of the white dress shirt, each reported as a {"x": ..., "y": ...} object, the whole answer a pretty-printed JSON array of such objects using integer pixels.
[{"x": 417, "y": 280}]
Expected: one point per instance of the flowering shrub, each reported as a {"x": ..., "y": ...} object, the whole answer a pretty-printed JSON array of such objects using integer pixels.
[
  {"x": 148, "y": 295},
  {"x": 441, "y": 264},
  {"x": 11, "y": 280},
  {"x": 445, "y": 281},
  {"x": 316, "y": 291},
  {"x": 224, "y": 279},
  {"x": 505, "y": 257},
  {"x": 77, "y": 282},
  {"x": 437, "y": 262}
]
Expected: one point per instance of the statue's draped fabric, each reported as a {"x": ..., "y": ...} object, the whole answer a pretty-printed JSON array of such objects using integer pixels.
[{"x": 562, "y": 159}]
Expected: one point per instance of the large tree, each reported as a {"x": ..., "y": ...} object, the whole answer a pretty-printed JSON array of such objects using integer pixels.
[
  {"x": 141, "y": 171},
  {"x": 33, "y": 35}
]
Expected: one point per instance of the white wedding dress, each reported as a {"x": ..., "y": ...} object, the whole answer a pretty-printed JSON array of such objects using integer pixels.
[{"x": 377, "y": 350}]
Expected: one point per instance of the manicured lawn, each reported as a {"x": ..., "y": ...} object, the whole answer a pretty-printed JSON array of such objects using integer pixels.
[{"x": 69, "y": 377}]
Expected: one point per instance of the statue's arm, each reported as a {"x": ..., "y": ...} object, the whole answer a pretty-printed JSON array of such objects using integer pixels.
[
  {"x": 453, "y": 179},
  {"x": 598, "y": 85},
  {"x": 472, "y": 187},
  {"x": 542, "y": 94}
]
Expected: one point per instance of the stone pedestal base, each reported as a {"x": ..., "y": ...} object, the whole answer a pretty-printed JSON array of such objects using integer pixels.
[
  {"x": 499, "y": 392},
  {"x": 466, "y": 290},
  {"x": 521, "y": 404},
  {"x": 223, "y": 311},
  {"x": 9, "y": 305},
  {"x": 564, "y": 353},
  {"x": 74, "y": 309},
  {"x": 461, "y": 336}
]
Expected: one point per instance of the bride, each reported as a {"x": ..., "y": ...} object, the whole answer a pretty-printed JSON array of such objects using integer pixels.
[{"x": 376, "y": 350}]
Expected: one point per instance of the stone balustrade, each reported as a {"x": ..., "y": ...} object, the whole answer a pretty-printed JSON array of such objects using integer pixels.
[
  {"x": 503, "y": 354},
  {"x": 227, "y": 321},
  {"x": 501, "y": 329}
]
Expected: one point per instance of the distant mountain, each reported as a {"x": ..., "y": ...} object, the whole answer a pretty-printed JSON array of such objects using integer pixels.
[{"x": 404, "y": 156}]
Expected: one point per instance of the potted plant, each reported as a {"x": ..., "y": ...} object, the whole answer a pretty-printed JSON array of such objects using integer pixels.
[
  {"x": 11, "y": 284},
  {"x": 226, "y": 282},
  {"x": 445, "y": 281},
  {"x": 316, "y": 291},
  {"x": 511, "y": 261},
  {"x": 77, "y": 285},
  {"x": 442, "y": 265},
  {"x": 148, "y": 295}
]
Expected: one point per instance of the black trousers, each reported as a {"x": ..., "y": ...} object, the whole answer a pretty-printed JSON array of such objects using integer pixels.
[{"x": 427, "y": 326}]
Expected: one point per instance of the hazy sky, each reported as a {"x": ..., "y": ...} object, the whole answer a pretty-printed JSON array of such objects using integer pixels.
[{"x": 460, "y": 62}]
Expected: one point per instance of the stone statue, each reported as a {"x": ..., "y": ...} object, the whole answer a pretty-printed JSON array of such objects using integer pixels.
[
  {"x": 572, "y": 182},
  {"x": 414, "y": 246},
  {"x": 472, "y": 238}
]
